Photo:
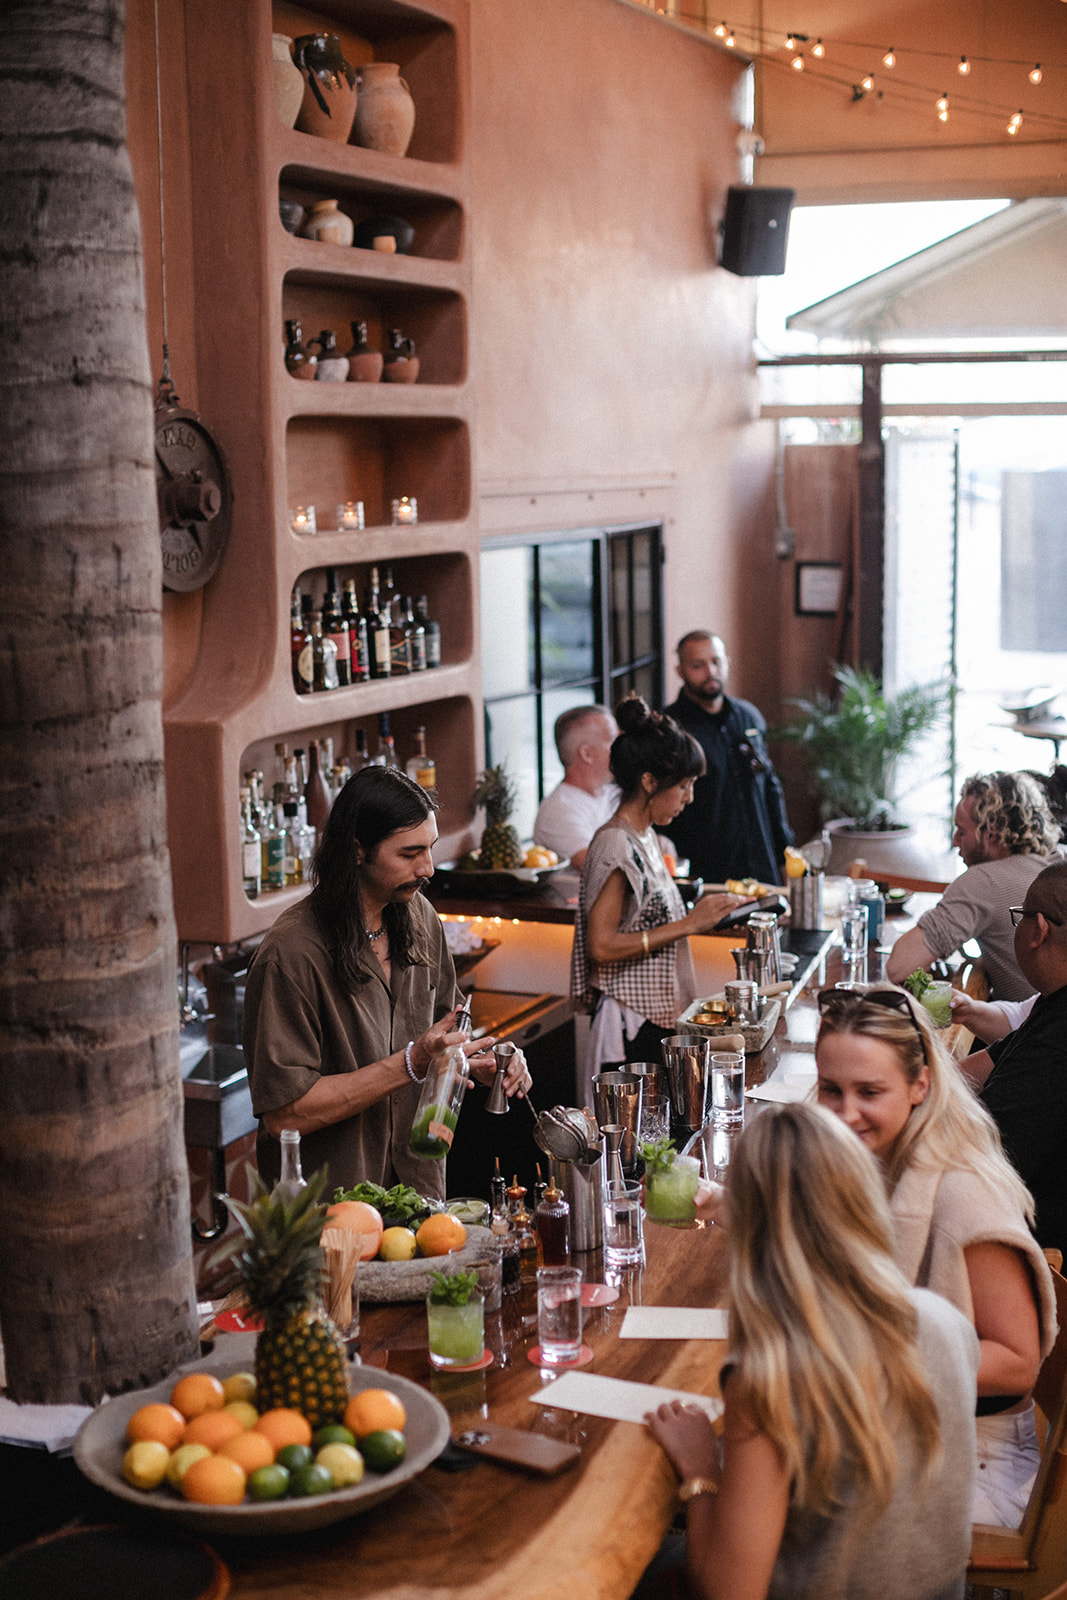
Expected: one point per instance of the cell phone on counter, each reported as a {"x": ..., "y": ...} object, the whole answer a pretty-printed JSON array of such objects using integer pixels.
[{"x": 515, "y": 1447}]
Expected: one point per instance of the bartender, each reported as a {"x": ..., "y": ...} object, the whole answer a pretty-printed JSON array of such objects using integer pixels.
[{"x": 353, "y": 991}]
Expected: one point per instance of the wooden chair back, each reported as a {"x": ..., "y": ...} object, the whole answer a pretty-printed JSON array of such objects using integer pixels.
[{"x": 1031, "y": 1559}]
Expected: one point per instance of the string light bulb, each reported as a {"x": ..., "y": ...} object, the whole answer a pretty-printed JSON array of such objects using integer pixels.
[
  {"x": 817, "y": 49},
  {"x": 890, "y": 58},
  {"x": 1015, "y": 124},
  {"x": 867, "y": 83},
  {"x": 797, "y": 63},
  {"x": 964, "y": 67},
  {"x": 942, "y": 108},
  {"x": 1035, "y": 73},
  {"x": 720, "y": 31},
  {"x": 790, "y": 42},
  {"x": 729, "y": 41}
]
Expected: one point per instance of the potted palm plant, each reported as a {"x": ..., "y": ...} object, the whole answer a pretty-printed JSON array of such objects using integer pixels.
[{"x": 853, "y": 741}]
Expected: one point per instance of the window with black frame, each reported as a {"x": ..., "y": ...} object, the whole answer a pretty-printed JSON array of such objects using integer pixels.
[{"x": 567, "y": 619}]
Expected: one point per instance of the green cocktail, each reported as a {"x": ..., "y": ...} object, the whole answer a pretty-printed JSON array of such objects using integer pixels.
[
  {"x": 670, "y": 1191},
  {"x": 937, "y": 998},
  {"x": 456, "y": 1333}
]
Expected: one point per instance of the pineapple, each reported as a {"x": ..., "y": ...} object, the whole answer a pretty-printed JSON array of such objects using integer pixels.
[
  {"x": 500, "y": 841},
  {"x": 300, "y": 1359}
]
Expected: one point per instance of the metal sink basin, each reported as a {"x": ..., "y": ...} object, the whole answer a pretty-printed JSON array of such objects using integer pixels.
[{"x": 218, "y": 1104}]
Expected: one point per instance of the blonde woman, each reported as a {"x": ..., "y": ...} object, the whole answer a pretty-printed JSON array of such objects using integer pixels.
[
  {"x": 847, "y": 1460},
  {"x": 960, "y": 1212}
]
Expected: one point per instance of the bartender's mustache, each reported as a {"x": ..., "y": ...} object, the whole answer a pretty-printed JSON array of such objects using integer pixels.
[{"x": 416, "y": 883}]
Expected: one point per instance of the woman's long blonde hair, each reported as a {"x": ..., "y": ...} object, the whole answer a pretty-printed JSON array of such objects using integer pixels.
[
  {"x": 951, "y": 1128},
  {"x": 821, "y": 1322}
]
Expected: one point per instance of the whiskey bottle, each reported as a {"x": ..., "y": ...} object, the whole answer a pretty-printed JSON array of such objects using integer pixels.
[
  {"x": 335, "y": 627},
  {"x": 415, "y": 633},
  {"x": 377, "y": 630},
  {"x": 299, "y": 845},
  {"x": 251, "y": 849},
  {"x": 359, "y": 652},
  {"x": 423, "y": 768},
  {"x": 432, "y": 631},
  {"x": 297, "y": 641},
  {"x": 323, "y": 656}
]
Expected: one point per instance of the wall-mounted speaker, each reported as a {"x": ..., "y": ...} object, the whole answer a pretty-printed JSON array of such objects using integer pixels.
[{"x": 755, "y": 231}]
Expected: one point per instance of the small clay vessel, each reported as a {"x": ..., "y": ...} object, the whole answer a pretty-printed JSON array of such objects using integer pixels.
[
  {"x": 364, "y": 364},
  {"x": 288, "y": 78},
  {"x": 333, "y": 366},
  {"x": 401, "y": 362},
  {"x": 327, "y": 223},
  {"x": 328, "y": 107},
  {"x": 385, "y": 115},
  {"x": 299, "y": 361}
]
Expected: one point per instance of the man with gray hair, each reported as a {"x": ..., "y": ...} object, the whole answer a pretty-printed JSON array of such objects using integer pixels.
[
  {"x": 568, "y": 817},
  {"x": 1006, "y": 835}
]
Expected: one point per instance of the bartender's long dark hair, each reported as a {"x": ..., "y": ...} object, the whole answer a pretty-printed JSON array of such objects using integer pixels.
[{"x": 378, "y": 801}]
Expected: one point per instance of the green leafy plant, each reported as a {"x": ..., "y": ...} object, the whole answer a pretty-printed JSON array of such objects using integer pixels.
[
  {"x": 452, "y": 1288},
  {"x": 853, "y": 740},
  {"x": 659, "y": 1155},
  {"x": 401, "y": 1204}
]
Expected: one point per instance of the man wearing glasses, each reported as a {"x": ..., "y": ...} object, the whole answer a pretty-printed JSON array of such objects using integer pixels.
[
  {"x": 1006, "y": 835},
  {"x": 1022, "y": 1080}
]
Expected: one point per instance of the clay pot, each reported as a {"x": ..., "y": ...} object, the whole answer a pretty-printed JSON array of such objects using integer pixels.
[
  {"x": 385, "y": 116},
  {"x": 329, "y": 104},
  {"x": 364, "y": 364},
  {"x": 328, "y": 224},
  {"x": 299, "y": 362},
  {"x": 288, "y": 78},
  {"x": 332, "y": 365},
  {"x": 373, "y": 230},
  {"x": 401, "y": 362}
]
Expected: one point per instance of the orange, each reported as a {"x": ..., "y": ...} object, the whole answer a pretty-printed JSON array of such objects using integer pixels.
[
  {"x": 440, "y": 1235},
  {"x": 197, "y": 1392},
  {"x": 214, "y": 1481},
  {"x": 212, "y": 1428},
  {"x": 283, "y": 1426},
  {"x": 250, "y": 1450},
  {"x": 362, "y": 1219},
  {"x": 371, "y": 1410},
  {"x": 158, "y": 1421}
]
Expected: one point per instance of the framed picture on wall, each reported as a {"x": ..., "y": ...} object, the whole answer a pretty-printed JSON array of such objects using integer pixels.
[{"x": 818, "y": 588}]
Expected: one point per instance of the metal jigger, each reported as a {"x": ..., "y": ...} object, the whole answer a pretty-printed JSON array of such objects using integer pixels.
[
  {"x": 613, "y": 1135},
  {"x": 498, "y": 1104}
]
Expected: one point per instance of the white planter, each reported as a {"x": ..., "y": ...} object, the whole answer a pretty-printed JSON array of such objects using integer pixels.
[{"x": 895, "y": 850}]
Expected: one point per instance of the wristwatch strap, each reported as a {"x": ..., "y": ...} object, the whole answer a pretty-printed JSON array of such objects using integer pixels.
[{"x": 693, "y": 1486}]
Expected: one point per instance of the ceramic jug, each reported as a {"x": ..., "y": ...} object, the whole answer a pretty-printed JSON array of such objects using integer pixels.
[
  {"x": 333, "y": 366},
  {"x": 328, "y": 224},
  {"x": 288, "y": 78},
  {"x": 329, "y": 103},
  {"x": 385, "y": 115},
  {"x": 364, "y": 364},
  {"x": 401, "y": 362}
]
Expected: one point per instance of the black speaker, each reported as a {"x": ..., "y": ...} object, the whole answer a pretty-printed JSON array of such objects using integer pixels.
[{"x": 755, "y": 231}]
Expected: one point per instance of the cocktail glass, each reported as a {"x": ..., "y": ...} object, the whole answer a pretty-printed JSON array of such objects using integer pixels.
[
  {"x": 937, "y": 998},
  {"x": 456, "y": 1333},
  {"x": 669, "y": 1195}
]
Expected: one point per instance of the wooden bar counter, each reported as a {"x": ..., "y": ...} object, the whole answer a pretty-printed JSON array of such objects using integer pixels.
[{"x": 490, "y": 1532}]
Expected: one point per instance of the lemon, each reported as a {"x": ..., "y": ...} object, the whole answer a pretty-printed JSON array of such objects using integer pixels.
[
  {"x": 398, "y": 1244},
  {"x": 145, "y": 1464},
  {"x": 239, "y": 1386},
  {"x": 182, "y": 1459},
  {"x": 343, "y": 1462},
  {"x": 795, "y": 864},
  {"x": 244, "y": 1411}
]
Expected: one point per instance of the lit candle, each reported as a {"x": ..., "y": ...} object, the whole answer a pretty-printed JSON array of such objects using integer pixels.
[
  {"x": 302, "y": 520},
  {"x": 350, "y": 516},
  {"x": 405, "y": 510}
]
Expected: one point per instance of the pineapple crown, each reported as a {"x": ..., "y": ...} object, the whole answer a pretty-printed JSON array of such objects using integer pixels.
[
  {"x": 280, "y": 1262},
  {"x": 496, "y": 792}
]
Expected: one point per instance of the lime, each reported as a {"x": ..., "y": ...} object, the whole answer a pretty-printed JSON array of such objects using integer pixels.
[
  {"x": 268, "y": 1483},
  {"x": 244, "y": 1411},
  {"x": 384, "y": 1450},
  {"x": 333, "y": 1433},
  {"x": 311, "y": 1479},
  {"x": 145, "y": 1464},
  {"x": 343, "y": 1462},
  {"x": 183, "y": 1458},
  {"x": 294, "y": 1456},
  {"x": 239, "y": 1386}
]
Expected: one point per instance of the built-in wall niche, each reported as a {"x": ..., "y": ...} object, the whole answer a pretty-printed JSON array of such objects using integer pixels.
[
  {"x": 445, "y": 580},
  {"x": 435, "y": 319},
  {"x": 438, "y": 220},
  {"x": 423, "y": 46},
  {"x": 333, "y": 459},
  {"x": 449, "y": 725}
]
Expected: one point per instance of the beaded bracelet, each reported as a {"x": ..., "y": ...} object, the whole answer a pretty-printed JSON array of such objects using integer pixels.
[{"x": 408, "y": 1068}]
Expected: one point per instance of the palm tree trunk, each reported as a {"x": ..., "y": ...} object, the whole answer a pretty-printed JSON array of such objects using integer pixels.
[{"x": 96, "y": 1280}]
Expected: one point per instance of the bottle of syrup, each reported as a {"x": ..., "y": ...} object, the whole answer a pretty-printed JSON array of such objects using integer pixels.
[{"x": 552, "y": 1219}]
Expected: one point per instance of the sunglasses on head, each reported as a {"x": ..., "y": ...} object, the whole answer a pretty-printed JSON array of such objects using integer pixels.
[{"x": 845, "y": 1000}]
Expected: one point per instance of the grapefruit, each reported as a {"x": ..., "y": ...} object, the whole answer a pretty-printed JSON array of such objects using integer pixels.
[{"x": 360, "y": 1218}]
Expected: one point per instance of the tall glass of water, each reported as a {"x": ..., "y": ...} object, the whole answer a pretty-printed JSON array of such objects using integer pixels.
[{"x": 559, "y": 1314}]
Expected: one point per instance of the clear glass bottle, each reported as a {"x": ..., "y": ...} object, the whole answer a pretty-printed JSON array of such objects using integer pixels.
[
  {"x": 381, "y": 665},
  {"x": 272, "y": 836},
  {"x": 431, "y": 631},
  {"x": 335, "y": 627},
  {"x": 292, "y": 1179},
  {"x": 441, "y": 1097},
  {"x": 386, "y": 742},
  {"x": 521, "y": 1224},
  {"x": 251, "y": 849},
  {"x": 504, "y": 1240},
  {"x": 422, "y": 768},
  {"x": 323, "y": 657}
]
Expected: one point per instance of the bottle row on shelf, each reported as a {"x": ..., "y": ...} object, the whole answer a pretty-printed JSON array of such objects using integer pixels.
[
  {"x": 279, "y": 831},
  {"x": 321, "y": 361},
  {"x": 336, "y": 643}
]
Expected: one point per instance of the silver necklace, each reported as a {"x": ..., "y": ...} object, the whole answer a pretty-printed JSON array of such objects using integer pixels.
[{"x": 377, "y": 933}]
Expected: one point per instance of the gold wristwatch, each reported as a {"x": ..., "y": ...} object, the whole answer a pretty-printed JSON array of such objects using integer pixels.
[{"x": 691, "y": 1487}]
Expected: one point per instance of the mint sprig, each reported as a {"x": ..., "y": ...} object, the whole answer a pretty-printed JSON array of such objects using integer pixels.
[
  {"x": 452, "y": 1288},
  {"x": 659, "y": 1155},
  {"x": 917, "y": 982}
]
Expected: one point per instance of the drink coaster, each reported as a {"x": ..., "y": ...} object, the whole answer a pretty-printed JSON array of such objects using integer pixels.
[
  {"x": 475, "y": 1366},
  {"x": 599, "y": 1294},
  {"x": 583, "y": 1358},
  {"x": 85, "y": 1563}
]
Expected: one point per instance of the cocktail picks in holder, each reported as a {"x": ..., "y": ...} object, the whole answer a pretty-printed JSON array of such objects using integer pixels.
[{"x": 341, "y": 1248}]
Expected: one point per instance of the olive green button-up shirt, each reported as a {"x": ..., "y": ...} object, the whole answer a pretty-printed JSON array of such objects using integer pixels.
[{"x": 301, "y": 1022}]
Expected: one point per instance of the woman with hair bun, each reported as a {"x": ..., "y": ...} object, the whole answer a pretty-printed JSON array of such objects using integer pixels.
[{"x": 631, "y": 964}]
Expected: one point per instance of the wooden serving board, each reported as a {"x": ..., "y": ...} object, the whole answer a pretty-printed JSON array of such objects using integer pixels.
[{"x": 756, "y": 1035}]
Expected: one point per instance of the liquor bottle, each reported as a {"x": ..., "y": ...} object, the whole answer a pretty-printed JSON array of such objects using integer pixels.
[
  {"x": 335, "y": 627},
  {"x": 552, "y": 1219},
  {"x": 504, "y": 1240},
  {"x": 251, "y": 849},
  {"x": 392, "y": 609},
  {"x": 432, "y": 631},
  {"x": 362, "y": 757},
  {"x": 415, "y": 633},
  {"x": 323, "y": 656},
  {"x": 297, "y": 641},
  {"x": 316, "y": 793},
  {"x": 272, "y": 836},
  {"x": 521, "y": 1225},
  {"x": 386, "y": 742},
  {"x": 357, "y": 633},
  {"x": 423, "y": 768},
  {"x": 299, "y": 845},
  {"x": 292, "y": 1179},
  {"x": 377, "y": 630}
]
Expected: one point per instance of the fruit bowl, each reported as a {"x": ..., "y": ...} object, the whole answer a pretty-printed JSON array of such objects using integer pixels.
[
  {"x": 479, "y": 884},
  {"x": 101, "y": 1443}
]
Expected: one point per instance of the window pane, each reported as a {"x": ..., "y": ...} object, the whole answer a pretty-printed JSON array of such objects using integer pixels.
[
  {"x": 555, "y": 702},
  {"x": 645, "y": 680},
  {"x": 621, "y": 640},
  {"x": 567, "y": 621},
  {"x": 507, "y": 636},
  {"x": 642, "y": 545},
  {"x": 511, "y": 738}
]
